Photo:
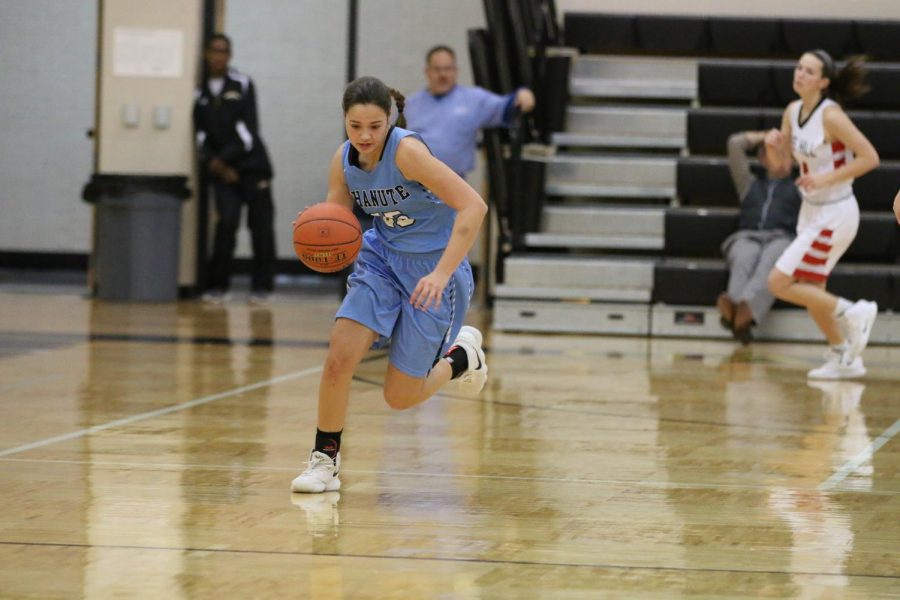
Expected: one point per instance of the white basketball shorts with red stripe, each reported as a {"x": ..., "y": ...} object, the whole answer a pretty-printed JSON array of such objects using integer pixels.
[{"x": 824, "y": 232}]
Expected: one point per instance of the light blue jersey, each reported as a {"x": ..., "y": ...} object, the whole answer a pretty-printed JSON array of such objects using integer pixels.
[
  {"x": 410, "y": 232},
  {"x": 408, "y": 217}
]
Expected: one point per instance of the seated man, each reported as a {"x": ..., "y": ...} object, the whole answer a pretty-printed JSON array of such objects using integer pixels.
[{"x": 768, "y": 221}]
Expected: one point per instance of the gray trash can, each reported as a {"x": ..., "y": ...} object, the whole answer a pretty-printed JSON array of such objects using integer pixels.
[{"x": 138, "y": 234}]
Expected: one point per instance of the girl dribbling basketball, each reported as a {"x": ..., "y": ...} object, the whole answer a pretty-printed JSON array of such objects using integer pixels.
[
  {"x": 831, "y": 152},
  {"x": 412, "y": 282}
]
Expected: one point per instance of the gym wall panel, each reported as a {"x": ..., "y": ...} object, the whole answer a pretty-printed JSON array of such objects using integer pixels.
[
  {"x": 394, "y": 36},
  {"x": 47, "y": 104},
  {"x": 296, "y": 53}
]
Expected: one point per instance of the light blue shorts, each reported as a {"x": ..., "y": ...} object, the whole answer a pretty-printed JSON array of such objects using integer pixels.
[{"x": 378, "y": 297}]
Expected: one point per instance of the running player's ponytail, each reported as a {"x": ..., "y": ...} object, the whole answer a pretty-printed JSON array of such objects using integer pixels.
[
  {"x": 371, "y": 90},
  {"x": 400, "y": 100},
  {"x": 848, "y": 83}
]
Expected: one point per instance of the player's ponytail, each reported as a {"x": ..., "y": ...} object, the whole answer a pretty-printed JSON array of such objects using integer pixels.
[
  {"x": 400, "y": 101},
  {"x": 850, "y": 82},
  {"x": 845, "y": 84}
]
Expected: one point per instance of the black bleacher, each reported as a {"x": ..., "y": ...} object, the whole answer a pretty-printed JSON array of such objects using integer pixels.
[
  {"x": 741, "y": 36},
  {"x": 723, "y": 84},
  {"x": 708, "y": 129},
  {"x": 761, "y": 83},
  {"x": 699, "y": 233},
  {"x": 834, "y": 37},
  {"x": 878, "y": 39},
  {"x": 663, "y": 33},
  {"x": 733, "y": 36},
  {"x": 745, "y": 80},
  {"x": 699, "y": 282},
  {"x": 705, "y": 181}
]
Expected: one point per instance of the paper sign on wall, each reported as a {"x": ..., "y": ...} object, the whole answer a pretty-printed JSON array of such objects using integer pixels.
[{"x": 147, "y": 52}]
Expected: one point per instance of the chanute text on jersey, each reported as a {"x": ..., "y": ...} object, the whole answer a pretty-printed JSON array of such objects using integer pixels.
[{"x": 380, "y": 197}]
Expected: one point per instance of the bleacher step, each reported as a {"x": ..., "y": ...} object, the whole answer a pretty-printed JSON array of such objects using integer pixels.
[
  {"x": 575, "y": 272},
  {"x": 611, "y": 176},
  {"x": 660, "y": 320},
  {"x": 632, "y": 77},
  {"x": 609, "y": 241},
  {"x": 603, "y": 220},
  {"x": 607, "y": 294},
  {"x": 782, "y": 324},
  {"x": 571, "y": 317},
  {"x": 623, "y": 126}
]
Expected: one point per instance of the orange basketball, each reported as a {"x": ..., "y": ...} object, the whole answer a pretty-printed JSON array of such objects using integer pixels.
[{"x": 327, "y": 237}]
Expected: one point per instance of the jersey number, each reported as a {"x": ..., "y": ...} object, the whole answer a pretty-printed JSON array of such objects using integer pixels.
[{"x": 395, "y": 218}]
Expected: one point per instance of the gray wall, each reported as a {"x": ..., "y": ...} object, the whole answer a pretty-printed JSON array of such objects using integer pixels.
[
  {"x": 46, "y": 105},
  {"x": 399, "y": 59},
  {"x": 296, "y": 53}
]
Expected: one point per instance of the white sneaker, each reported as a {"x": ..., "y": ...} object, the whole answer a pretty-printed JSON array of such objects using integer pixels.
[
  {"x": 475, "y": 376},
  {"x": 322, "y": 518},
  {"x": 321, "y": 475},
  {"x": 838, "y": 365},
  {"x": 856, "y": 323}
]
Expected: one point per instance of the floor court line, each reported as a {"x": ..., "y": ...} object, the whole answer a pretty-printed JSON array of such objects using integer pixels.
[
  {"x": 854, "y": 463},
  {"x": 159, "y": 412},
  {"x": 454, "y": 559}
]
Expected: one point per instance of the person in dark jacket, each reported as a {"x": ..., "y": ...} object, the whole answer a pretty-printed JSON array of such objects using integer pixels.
[
  {"x": 770, "y": 203},
  {"x": 233, "y": 153}
]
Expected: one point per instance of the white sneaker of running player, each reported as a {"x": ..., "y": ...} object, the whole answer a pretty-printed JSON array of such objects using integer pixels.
[
  {"x": 856, "y": 324},
  {"x": 838, "y": 365},
  {"x": 473, "y": 379},
  {"x": 321, "y": 474}
]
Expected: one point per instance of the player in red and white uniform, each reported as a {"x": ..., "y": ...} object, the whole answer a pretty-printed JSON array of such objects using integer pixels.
[{"x": 831, "y": 153}]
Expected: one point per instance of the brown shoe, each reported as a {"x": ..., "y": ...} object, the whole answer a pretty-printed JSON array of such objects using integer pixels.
[
  {"x": 726, "y": 310},
  {"x": 743, "y": 321}
]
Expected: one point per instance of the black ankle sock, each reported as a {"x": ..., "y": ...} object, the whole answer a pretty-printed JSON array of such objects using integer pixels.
[
  {"x": 458, "y": 359},
  {"x": 328, "y": 443}
]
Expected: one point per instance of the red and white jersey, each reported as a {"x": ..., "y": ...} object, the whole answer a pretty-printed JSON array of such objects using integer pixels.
[{"x": 815, "y": 155}]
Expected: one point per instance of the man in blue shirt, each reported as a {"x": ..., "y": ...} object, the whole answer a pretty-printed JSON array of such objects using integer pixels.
[{"x": 449, "y": 116}]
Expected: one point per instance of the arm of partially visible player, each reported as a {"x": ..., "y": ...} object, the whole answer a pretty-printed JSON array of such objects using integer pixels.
[
  {"x": 897, "y": 207},
  {"x": 338, "y": 192},
  {"x": 417, "y": 163}
]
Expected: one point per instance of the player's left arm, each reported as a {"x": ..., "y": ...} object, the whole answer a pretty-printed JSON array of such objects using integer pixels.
[
  {"x": 417, "y": 163},
  {"x": 897, "y": 207},
  {"x": 838, "y": 126},
  {"x": 338, "y": 192}
]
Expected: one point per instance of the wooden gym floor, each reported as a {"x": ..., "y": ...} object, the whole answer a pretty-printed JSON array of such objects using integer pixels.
[{"x": 146, "y": 451}]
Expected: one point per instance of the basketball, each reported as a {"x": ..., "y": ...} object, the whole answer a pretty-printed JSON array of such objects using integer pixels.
[{"x": 327, "y": 237}]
